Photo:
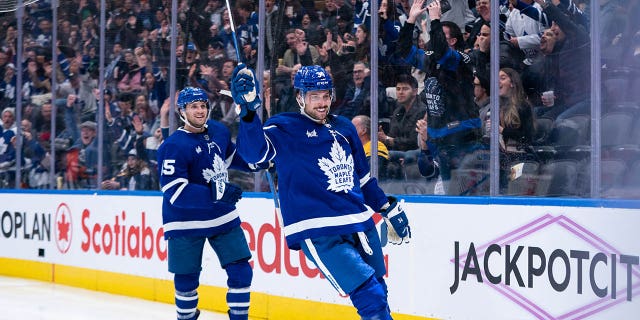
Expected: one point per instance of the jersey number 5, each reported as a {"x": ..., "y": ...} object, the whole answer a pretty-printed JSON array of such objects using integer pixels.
[{"x": 167, "y": 167}]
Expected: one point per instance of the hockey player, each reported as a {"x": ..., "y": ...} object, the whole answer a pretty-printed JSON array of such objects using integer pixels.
[
  {"x": 326, "y": 191},
  {"x": 199, "y": 205}
]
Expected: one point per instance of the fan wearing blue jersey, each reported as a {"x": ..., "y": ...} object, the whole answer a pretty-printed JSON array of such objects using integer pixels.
[
  {"x": 326, "y": 191},
  {"x": 199, "y": 205}
]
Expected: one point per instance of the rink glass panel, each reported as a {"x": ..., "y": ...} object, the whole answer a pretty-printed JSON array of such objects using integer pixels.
[{"x": 562, "y": 159}]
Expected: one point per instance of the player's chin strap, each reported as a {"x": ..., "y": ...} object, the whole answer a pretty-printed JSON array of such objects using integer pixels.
[
  {"x": 302, "y": 104},
  {"x": 187, "y": 123}
]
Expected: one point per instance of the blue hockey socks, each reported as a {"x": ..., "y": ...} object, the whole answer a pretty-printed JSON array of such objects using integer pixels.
[
  {"x": 186, "y": 298},
  {"x": 239, "y": 283},
  {"x": 371, "y": 300}
]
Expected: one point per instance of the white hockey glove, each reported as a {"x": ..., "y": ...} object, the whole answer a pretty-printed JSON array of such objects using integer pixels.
[
  {"x": 398, "y": 230},
  {"x": 245, "y": 90}
]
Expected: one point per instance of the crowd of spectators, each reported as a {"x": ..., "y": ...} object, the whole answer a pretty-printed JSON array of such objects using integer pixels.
[{"x": 433, "y": 90}]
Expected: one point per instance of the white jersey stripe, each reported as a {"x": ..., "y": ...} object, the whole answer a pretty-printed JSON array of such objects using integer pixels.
[
  {"x": 325, "y": 222},
  {"x": 365, "y": 179},
  {"x": 201, "y": 224}
]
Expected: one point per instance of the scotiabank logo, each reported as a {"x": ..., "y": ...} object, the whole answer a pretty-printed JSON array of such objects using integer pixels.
[
  {"x": 129, "y": 237},
  {"x": 63, "y": 227},
  {"x": 584, "y": 274}
]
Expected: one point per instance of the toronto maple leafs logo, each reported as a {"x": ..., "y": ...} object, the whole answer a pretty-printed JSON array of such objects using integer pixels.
[
  {"x": 198, "y": 149},
  {"x": 219, "y": 171},
  {"x": 338, "y": 169},
  {"x": 312, "y": 134}
]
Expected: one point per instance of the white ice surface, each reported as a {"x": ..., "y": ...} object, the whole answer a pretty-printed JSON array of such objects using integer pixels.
[{"x": 36, "y": 300}]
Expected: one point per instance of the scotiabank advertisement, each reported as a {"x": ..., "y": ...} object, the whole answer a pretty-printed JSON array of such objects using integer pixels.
[{"x": 464, "y": 261}]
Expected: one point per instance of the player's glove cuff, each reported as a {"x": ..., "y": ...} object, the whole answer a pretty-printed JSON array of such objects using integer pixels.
[{"x": 226, "y": 192}]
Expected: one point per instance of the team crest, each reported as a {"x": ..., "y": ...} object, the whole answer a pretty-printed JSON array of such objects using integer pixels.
[
  {"x": 312, "y": 134},
  {"x": 219, "y": 171},
  {"x": 338, "y": 169}
]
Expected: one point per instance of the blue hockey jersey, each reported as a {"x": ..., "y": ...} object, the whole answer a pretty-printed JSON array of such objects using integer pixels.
[
  {"x": 188, "y": 163},
  {"x": 323, "y": 175}
]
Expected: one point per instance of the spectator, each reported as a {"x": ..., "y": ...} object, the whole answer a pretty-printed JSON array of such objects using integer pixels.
[
  {"x": 273, "y": 48},
  {"x": 481, "y": 97},
  {"x": 132, "y": 80},
  {"x": 300, "y": 53},
  {"x": 402, "y": 138},
  {"x": 214, "y": 10},
  {"x": 293, "y": 13},
  {"x": 427, "y": 165},
  {"x": 459, "y": 13},
  {"x": 155, "y": 86},
  {"x": 82, "y": 158},
  {"x": 312, "y": 28},
  {"x": 215, "y": 53},
  {"x": 356, "y": 100},
  {"x": 516, "y": 127},
  {"x": 9, "y": 120},
  {"x": 483, "y": 8},
  {"x": 247, "y": 31},
  {"x": 120, "y": 128},
  {"x": 41, "y": 128},
  {"x": 8, "y": 86},
  {"x": 389, "y": 64},
  {"x": 35, "y": 83},
  {"x": 562, "y": 68},
  {"x": 453, "y": 123},
  {"x": 134, "y": 175},
  {"x": 523, "y": 32},
  {"x": 80, "y": 87},
  {"x": 7, "y": 155},
  {"x": 287, "y": 101},
  {"x": 363, "y": 127},
  {"x": 34, "y": 160},
  {"x": 357, "y": 90},
  {"x": 42, "y": 33},
  {"x": 146, "y": 115},
  {"x": 362, "y": 47},
  {"x": 338, "y": 56}
]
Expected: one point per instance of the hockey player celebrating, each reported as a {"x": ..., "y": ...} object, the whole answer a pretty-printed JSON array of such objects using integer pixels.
[
  {"x": 326, "y": 191},
  {"x": 199, "y": 205}
]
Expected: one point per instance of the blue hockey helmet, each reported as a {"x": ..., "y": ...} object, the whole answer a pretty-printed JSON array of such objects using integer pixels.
[
  {"x": 312, "y": 78},
  {"x": 191, "y": 94}
]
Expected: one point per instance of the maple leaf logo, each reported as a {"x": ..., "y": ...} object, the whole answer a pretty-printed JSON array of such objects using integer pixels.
[
  {"x": 217, "y": 172},
  {"x": 338, "y": 169},
  {"x": 63, "y": 229}
]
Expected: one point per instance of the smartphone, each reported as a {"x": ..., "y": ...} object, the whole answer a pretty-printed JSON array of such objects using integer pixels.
[
  {"x": 348, "y": 49},
  {"x": 445, "y": 6}
]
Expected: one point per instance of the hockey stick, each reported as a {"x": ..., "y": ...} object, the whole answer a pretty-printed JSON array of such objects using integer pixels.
[
  {"x": 233, "y": 31},
  {"x": 272, "y": 186}
]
